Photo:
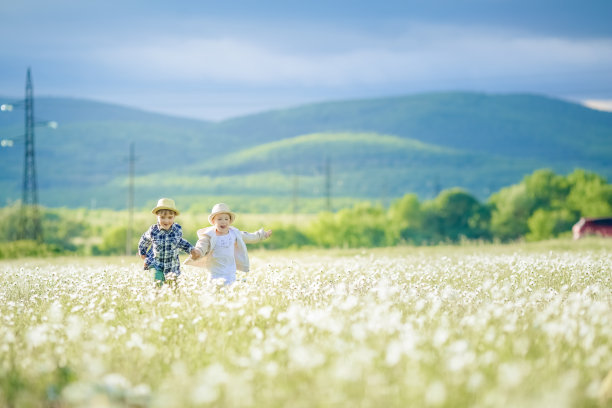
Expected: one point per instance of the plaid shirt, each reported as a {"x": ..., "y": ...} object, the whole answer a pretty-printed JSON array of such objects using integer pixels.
[{"x": 161, "y": 248}]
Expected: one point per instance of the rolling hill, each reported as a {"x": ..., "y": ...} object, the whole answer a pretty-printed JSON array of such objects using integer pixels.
[{"x": 373, "y": 149}]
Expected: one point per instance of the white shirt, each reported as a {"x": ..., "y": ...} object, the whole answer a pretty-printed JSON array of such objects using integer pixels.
[
  {"x": 223, "y": 261},
  {"x": 207, "y": 245}
]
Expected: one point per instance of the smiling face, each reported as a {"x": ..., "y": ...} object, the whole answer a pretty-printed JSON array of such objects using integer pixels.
[
  {"x": 222, "y": 222},
  {"x": 165, "y": 219}
]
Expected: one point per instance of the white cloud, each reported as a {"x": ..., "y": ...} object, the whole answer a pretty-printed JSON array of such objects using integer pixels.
[
  {"x": 421, "y": 53},
  {"x": 602, "y": 105}
]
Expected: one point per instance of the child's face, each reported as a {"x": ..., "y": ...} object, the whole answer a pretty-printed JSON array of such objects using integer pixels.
[
  {"x": 222, "y": 222},
  {"x": 165, "y": 219}
]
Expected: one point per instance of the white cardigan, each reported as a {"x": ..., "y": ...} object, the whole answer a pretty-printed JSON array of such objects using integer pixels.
[{"x": 207, "y": 240}]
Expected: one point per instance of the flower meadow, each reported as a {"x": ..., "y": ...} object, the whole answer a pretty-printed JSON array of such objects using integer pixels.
[{"x": 472, "y": 326}]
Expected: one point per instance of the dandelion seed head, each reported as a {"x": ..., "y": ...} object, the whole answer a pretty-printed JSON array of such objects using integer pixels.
[
  {"x": 435, "y": 395},
  {"x": 305, "y": 357},
  {"x": 108, "y": 316},
  {"x": 204, "y": 394},
  {"x": 394, "y": 353},
  {"x": 37, "y": 335},
  {"x": 510, "y": 375},
  {"x": 265, "y": 311},
  {"x": 440, "y": 337}
]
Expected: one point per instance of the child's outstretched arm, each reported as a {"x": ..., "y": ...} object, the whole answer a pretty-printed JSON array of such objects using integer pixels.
[
  {"x": 203, "y": 245},
  {"x": 188, "y": 248},
  {"x": 144, "y": 243},
  {"x": 202, "y": 248},
  {"x": 144, "y": 246},
  {"x": 257, "y": 236}
]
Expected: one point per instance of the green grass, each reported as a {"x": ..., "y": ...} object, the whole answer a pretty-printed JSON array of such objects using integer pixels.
[{"x": 450, "y": 326}]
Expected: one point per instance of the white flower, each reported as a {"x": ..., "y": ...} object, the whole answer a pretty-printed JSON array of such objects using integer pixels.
[
  {"x": 265, "y": 311},
  {"x": 204, "y": 393},
  {"x": 394, "y": 353},
  {"x": 74, "y": 327},
  {"x": 305, "y": 357},
  {"x": 135, "y": 341},
  {"x": 108, "y": 316},
  {"x": 435, "y": 395},
  {"x": 37, "y": 335}
]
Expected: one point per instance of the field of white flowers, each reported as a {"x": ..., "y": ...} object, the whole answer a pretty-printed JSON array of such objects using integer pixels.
[{"x": 470, "y": 326}]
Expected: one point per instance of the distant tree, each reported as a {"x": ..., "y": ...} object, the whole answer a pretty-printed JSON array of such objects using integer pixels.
[
  {"x": 546, "y": 190},
  {"x": 321, "y": 230},
  {"x": 513, "y": 206},
  {"x": 546, "y": 204},
  {"x": 9, "y": 227},
  {"x": 405, "y": 221},
  {"x": 361, "y": 226},
  {"x": 286, "y": 236},
  {"x": 590, "y": 195},
  {"x": 544, "y": 224},
  {"x": 454, "y": 215},
  {"x": 61, "y": 230},
  {"x": 113, "y": 242},
  {"x": 511, "y": 209}
]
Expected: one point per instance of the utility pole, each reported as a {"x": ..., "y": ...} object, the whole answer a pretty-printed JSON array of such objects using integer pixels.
[
  {"x": 437, "y": 188},
  {"x": 130, "y": 202},
  {"x": 30, "y": 225}
]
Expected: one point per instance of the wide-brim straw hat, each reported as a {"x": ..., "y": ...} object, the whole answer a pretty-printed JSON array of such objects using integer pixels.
[
  {"x": 221, "y": 208},
  {"x": 165, "y": 204}
]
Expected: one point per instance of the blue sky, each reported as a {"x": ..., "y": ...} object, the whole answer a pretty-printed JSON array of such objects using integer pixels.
[{"x": 214, "y": 60}]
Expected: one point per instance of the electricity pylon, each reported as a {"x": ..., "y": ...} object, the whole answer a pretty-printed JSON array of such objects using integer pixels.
[{"x": 30, "y": 225}]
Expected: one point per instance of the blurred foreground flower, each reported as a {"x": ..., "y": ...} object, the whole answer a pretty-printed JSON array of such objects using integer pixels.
[{"x": 605, "y": 390}]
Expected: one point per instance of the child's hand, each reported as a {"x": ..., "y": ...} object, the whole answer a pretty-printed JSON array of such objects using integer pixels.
[
  {"x": 195, "y": 253},
  {"x": 143, "y": 256},
  {"x": 267, "y": 234}
]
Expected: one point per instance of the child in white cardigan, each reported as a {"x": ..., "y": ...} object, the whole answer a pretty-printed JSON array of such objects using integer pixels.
[{"x": 223, "y": 247}]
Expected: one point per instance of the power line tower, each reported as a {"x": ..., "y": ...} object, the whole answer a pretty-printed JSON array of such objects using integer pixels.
[
  {"x": 30, "y": 225},
  {"x": 437, "y": 187}
]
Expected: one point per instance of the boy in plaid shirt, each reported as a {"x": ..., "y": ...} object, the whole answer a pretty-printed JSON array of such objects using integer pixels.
[{"x": 159, "y": 245}]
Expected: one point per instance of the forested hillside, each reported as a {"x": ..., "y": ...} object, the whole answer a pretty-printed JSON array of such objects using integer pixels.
[{"x": 368, "y": 149}]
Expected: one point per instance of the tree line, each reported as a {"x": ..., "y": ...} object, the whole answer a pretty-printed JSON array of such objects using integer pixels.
[{"x": 543, "y": 205}]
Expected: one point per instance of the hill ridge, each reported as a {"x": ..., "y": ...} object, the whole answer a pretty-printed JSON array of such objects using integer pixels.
[{"x": 495, "y": 138}]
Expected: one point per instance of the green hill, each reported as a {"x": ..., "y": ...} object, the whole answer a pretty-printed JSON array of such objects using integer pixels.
[
  {"x": 361, "y": 165},
  {"x": 510, "y": 125},
  {"x": 351, "y": 150},
  {"x": 375, "y": 149}
]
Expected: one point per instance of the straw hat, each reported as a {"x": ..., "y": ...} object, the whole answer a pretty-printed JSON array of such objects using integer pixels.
[
  {"x": 165, "y": 204},
  {"x": 221, "y": 208}
]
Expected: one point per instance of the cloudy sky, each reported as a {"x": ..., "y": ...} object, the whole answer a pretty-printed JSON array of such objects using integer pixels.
[{"x": 217, "y": 59}]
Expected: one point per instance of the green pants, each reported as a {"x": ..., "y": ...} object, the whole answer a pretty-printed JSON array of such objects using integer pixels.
[{"x": 158, "y": 276}]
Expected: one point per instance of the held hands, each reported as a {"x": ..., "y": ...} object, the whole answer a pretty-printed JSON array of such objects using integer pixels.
[{"x": 195, "y": 253}]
